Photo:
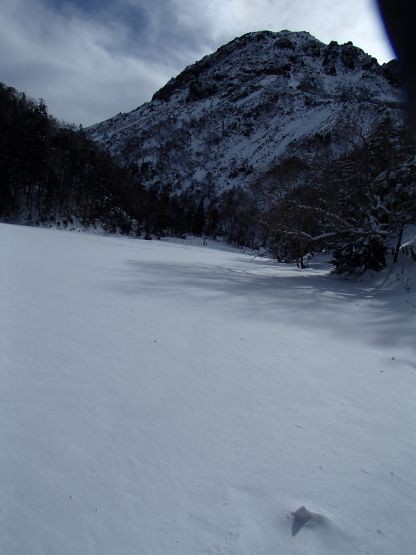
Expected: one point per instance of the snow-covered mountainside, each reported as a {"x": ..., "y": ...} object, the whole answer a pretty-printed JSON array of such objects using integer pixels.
[{"x": 227, "y": 120}]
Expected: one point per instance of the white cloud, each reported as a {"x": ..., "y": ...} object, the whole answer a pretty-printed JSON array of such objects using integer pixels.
[{"x": 69, "y": 62}]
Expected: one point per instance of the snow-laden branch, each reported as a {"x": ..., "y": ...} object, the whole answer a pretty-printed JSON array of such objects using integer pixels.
[
  {"x": 331, "y": 215},
  {"x": 298, "y": 232}
]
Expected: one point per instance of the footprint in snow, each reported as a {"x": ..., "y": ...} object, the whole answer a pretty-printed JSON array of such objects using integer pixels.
[{"x": 302, "y": 516}]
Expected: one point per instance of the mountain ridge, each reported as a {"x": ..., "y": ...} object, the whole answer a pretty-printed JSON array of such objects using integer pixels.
[{"x": 228, "y": 119}]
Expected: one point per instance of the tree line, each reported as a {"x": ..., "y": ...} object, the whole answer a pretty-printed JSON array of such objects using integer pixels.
[{"x": 51, "y": 173}]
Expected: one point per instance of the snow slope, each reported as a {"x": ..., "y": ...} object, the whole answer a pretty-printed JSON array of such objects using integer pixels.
[{"x": 164, "y": 398}]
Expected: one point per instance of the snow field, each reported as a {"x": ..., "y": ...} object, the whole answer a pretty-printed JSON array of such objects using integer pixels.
[{"x": 166, "y": 398}]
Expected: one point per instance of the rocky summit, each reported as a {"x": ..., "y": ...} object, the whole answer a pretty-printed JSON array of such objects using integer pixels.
[{"x": 226, "y": 121}]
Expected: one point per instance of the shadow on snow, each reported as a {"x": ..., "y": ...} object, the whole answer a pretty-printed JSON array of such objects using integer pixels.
[{"x": 311, "y": 297}]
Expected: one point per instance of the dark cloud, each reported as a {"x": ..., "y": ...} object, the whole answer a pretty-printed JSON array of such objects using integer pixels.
[{"x": 90, "y": 59}]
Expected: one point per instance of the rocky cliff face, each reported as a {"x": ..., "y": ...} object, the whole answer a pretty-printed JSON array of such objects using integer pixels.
[{"x": 229, "y": 119}]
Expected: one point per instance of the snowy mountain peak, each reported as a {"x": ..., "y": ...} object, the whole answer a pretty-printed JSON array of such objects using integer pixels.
[
  {"x": 263, "y": 52},
  {"x": 260, "y": 54},
  {"x": 227, "y": 120}
]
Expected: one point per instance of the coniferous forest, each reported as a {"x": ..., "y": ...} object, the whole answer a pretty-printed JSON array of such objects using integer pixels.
[{"x": 52, "y": 174}]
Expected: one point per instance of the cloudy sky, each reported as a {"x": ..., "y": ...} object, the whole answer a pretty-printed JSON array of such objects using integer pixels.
[{"x": 90, "y": 59}]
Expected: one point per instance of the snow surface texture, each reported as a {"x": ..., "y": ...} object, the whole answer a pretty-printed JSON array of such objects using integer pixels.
[
  {"x": 227, "y": 120},
  {"x": 165, "y": 398}
]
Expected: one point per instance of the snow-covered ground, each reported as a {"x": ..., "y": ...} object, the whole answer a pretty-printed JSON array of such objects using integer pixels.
[{"x": 159, "y": 398}]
